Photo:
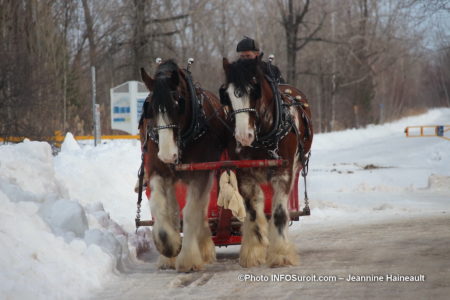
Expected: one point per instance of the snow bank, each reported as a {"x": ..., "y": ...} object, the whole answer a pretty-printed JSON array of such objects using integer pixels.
[
  {"x": 57, "y": 242},
  {"x": 105, "y": 174},
  {"x": 37, "y": 264}
]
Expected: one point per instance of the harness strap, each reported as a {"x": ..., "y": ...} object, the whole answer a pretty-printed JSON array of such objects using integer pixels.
[
  {"x": 242, "y": 110},
  {"x": 141, "y": 173},
  {"x": 140, "y": 189},
  {"x": 216, "y": 115},
  {"x": 197, "y": 127},
  {"x": 170, "y": 126},
  {"x": 305, "y": 169},
  {"x": 277, "y": 114},
  {"x": 282, "y": 124}
]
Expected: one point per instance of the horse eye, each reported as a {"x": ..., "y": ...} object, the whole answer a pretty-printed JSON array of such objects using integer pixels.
[{"x": 238, "y": 93}]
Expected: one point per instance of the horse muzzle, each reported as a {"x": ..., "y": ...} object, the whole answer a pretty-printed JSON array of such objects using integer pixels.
[
  {"x": 168, "y": 158},
  {"x": 246, "y": 137}
]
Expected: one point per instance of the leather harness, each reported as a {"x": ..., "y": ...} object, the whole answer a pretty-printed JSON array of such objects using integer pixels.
[{"x": 198, "y": 125}]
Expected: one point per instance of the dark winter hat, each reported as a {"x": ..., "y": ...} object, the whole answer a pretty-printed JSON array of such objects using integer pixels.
[{"x": 247, "y": 44}]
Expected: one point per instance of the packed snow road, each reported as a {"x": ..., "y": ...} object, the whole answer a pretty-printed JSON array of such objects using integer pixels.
[{"x": 371, "y": 255}]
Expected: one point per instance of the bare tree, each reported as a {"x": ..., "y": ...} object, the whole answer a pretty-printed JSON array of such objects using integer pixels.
[{"x": 294, "y": 20}]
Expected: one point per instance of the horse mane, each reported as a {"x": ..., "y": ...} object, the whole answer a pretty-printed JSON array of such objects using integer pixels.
[
  {"x": 242, "y": 72},
  {"x": 165, "y": 75}
]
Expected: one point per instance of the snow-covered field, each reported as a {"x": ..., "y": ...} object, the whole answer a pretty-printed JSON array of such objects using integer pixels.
[
  {"x": 67, "y": 221},
  {"x": 367, "y": 174}
]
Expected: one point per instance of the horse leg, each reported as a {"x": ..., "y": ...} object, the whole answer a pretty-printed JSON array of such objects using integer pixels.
[
  {"x": 254, "y": 230},
  {"x": 206, "y": 244},
  {"x": 281, "y": 251},
  {"x": 166, "y": 232},
  {"x": 197, "y": 245}
]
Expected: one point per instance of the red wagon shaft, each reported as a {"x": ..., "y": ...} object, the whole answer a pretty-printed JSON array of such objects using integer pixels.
[{"x": 215, "y": 165}]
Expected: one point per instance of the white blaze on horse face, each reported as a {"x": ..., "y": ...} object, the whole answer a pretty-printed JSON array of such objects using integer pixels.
[
  {"x": 244, "y": 133},
  {"x": 168, "y": 149}
]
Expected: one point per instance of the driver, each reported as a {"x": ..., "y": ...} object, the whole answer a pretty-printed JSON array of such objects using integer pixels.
[{"x": 247, "y": 48}]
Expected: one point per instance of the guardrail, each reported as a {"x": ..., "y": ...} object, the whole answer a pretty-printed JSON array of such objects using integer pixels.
[
  {"x": 428, "y": 131},
  {"x": 58, "y": 138}
]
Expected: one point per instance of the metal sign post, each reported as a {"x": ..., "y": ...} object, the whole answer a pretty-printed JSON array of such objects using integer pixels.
[
  {"x": 95, "y": 119},
  {"x": 97, "y": 133}
]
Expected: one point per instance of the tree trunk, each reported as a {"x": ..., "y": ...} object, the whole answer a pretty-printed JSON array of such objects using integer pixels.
[
  {"x": 89, "y": 32},
  {"x": 138, "y": 42}
]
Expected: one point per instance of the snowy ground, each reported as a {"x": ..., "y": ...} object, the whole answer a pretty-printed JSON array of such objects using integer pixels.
[{"x": 66, "y": 221}]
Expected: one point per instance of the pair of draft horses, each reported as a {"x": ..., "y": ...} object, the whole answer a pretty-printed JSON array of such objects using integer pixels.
[{"x": 182, "y": 123}]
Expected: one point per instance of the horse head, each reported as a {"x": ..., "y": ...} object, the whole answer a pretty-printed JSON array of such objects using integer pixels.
[
  {"x": 247, "y": 91},
  {"x": 166, "y": 111}
]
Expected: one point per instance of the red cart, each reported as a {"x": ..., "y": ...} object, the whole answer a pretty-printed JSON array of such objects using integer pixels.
[{"x": 226, "y": 229}]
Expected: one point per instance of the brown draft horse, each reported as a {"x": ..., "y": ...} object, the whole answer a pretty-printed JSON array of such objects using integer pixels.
[
  {"x": 180, "y": 124},
  {"x": 266, "y": 127}
]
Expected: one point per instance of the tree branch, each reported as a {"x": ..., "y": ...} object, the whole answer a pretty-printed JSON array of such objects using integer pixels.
[
  {"x": 168, "y": 19},
  {"x": 319, "y": 39},
  {"x": 283, "y": 12},
  {"x": 309, "y": 38},
  {"x": 169, "y": 33},
  {"x": 300, "y": 16}
]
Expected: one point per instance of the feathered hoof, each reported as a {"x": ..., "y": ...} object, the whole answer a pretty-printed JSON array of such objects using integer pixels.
[
  {"x": 208, "y": 250},
  {"x": 282, "y": 256},
  {"x": 252, "y": 256},
  {"x": 168, "y": 242},
  {"x": 188, "y": 261},
  {"x": 165, "y": 263}
]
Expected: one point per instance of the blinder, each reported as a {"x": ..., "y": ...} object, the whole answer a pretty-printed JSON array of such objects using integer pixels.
[
  {"x": 181, "y": 103},
  {"x": 224, "y": 98},
  {"x": 147, "y": 111}
]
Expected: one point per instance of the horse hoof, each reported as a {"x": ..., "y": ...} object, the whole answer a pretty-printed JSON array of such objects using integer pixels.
[
  {"x": 252, "y": 256},
  {"x": 208, "y": 250},
  {"x": 165, "y": 263},
  {"x": 188, "y": 262},
  {"x": 189, "y": 268},
  {"x": 280, "y": 257},
  {"x": 168, "y": 244},
  {"x": 186, "y": 267},
  {"x": 276, "y": 261}
]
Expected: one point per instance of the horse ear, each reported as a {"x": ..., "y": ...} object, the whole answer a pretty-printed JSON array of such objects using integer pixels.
[
  {"x": 226, "y": 65},
  {"x": 149, "y": 82},
  {"x": 148, "y": 114}
]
